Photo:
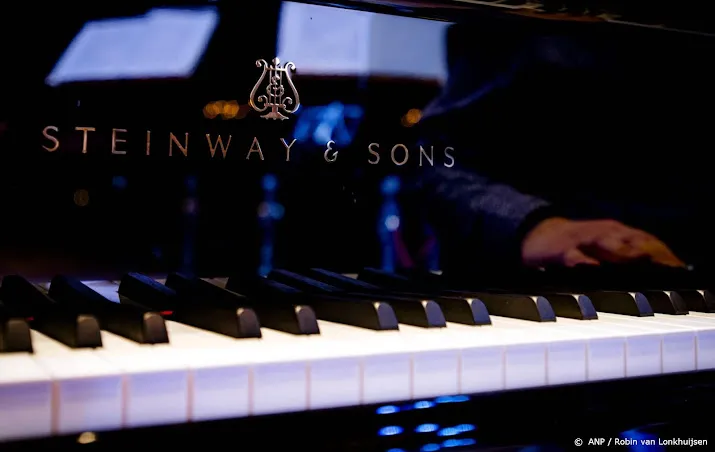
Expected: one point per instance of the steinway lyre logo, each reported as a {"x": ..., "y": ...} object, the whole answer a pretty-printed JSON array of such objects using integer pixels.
[{"x": 275, "y": 96}]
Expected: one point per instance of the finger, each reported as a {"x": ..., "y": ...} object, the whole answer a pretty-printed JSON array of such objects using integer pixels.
[
  {"x": 608, "y": 238},
  {"x": 574, "y": 257},
  {"x": 613, "y": 249},
  {"x": 659, "y": 253}
]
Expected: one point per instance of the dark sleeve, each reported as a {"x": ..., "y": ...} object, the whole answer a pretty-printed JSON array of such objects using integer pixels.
[{"x": 478, "y": 216}]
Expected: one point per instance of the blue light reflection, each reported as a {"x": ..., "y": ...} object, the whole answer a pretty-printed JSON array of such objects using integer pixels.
[
  {"x": 422, "y": 404},
  {"x": 459, "y": 442},
  {"x": 426, "y": 428},
  {"x": 452, "y": 399},
  {"x": 450, "y": 434},
  {"x": 390, "y": 430},
  {"x": 388, "y": 409}
]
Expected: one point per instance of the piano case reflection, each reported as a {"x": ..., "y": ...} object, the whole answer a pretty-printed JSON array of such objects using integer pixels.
[{"x": 287, "y": 278}]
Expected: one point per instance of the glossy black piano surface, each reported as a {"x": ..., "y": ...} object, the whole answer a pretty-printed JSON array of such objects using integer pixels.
[{"x": 493, "y": 165}]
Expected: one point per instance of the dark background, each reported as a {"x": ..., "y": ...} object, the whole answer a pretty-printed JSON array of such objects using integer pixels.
[{"x": 97, "y": 214}]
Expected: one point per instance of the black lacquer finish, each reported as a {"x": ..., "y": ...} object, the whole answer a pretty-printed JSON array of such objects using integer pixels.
[
  {"x": 535, "y": 308},
  {"x": 573, "y": 306},
  {"x": 133, "y": 322},
  {"x": 235, "y": 320},
  {"x": 465, "y": 310},
  {"x": 184, "y": 307},
  {"x": 14, "y": 333},
  {"x": 76, "y": 328},
  {"x": 361, "y": 312},
  {"x": 415, "y": 311},
  {"x": 494, "y": 105}
]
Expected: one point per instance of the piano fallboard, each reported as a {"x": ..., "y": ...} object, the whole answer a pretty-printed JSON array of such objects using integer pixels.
[{"x": 222, "y": 224}]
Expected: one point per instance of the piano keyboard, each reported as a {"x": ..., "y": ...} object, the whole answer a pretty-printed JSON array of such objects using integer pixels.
[{"x": 107, "y": 355}]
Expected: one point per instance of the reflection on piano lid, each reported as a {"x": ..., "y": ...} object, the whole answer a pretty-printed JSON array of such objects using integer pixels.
[
  {"x": 163, "y": 43},
  {"x": 156, "y": 288},
  {"x": 689, "y": 17}
]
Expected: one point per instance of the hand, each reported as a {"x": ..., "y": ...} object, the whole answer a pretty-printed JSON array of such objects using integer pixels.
[{"x": 558, "y": 241}]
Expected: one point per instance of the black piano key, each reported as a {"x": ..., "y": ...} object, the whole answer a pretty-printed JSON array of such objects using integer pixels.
[
  {"x": 286, "y": 317},
  {"x": 420, "y": 312},
  {"x": 464, "y": 310},
  {"x": 524, "y": 307},
  {"x": 132, "y": 322},
  {"x": 385, "y": 279},
  {"x": 625, "y": 303},
  {"x": 572, "y": 306},
  {"x": 300, "y": 282},
  {"x": 540, "y": 307},
  {"x": 14, "y": 333},
  {"x": 698, "y": 300},
  {"x": 340, "y": 281},
  {"x": 666, "y": 302},
  {"x": 371, "y": 315},
  {"x": 73, "y": 328},
  {"x": 136, "y": 288},
  {"x": 182, "y": 308},
  {"x": 239, "y": 321}
]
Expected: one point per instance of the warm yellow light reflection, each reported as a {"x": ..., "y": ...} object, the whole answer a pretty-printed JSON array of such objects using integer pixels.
[
  {"x": 81, "y": 197},
  {"x": 412, "y": 117},
  {"x": 87, "y": 438},
  {"x": 225, "y": 109}
]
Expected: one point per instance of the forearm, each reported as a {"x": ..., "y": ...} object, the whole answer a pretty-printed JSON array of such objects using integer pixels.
[{"x": 472, "y": 212}]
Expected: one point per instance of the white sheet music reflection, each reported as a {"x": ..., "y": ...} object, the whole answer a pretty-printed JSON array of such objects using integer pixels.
[{"x": 164, "y": 43}]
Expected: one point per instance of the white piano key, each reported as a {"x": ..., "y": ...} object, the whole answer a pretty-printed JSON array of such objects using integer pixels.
[
  {"x": 704, "y": 315},
  {"x": 563, "y": 357},
  {"x": 566, "y": 352},
  {"x": 273, "y": 380},
  {"x": 387, "y": 360},
  {"x": 220, "y": 384},
  {"x": 704, "y": 336},
  {"x": 576, "y": 351},
  {"x": 87, "y": 390},
  {"x": 643, "y": 346},
  {"x": 706, "y": 339},
  {"x": 492, "y": 358},
  {"x": 441, "y": 357},
  {"x": 674, "y": 344},
  {"x": 156, "y": 377},
  {"x": 483, "y": 368},
  {"x": 605, "y": 349},
  {"x": 287, "y": 372},
  {"x": 156, "y": 381},
  {"x": 401, "y": 365},
  {"x": 466, "y": 361},
  {"x": 386, "y": 377},
  {"x": 385, "y": 367},
  {"x": 334, "y": 373},
  {"x": 435, "y": 361},
  {"x": 25, "y": 398}
]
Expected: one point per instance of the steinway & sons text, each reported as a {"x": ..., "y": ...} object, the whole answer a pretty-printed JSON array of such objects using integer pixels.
[{"x": 220, "y": 146}]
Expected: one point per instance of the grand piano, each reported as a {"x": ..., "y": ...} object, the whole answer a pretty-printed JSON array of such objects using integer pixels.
[{"x": 240, "y": 224}]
